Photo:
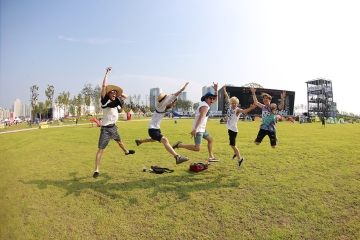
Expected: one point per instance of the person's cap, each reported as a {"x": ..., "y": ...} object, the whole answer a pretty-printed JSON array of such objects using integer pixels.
[
  {"x": 161, "y": 98},
  {"x": 116, "y": 88},
  {"x": 208, "y": 94}
]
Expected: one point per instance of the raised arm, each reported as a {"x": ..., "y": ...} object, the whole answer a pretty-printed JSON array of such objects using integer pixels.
[
  {"x": 103, "y": 90},
  {"x": 283, "y": 94},
  {"x": 226, "y": 94},
  {"x": 256, "y": 102},
  {"x": 215, "y": 87},
  {"x": 181, "y": 90},
  {"x": 245, "y": 111}
]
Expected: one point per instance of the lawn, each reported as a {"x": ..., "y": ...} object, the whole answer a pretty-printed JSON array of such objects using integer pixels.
[{"x": 306, "y": 188}]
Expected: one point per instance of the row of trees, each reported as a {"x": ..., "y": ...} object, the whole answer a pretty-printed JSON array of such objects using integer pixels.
[{"x": 89, "y": 95}]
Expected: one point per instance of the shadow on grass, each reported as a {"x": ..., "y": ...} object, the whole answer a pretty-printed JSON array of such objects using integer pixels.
[{"x": 180, "y": 185}]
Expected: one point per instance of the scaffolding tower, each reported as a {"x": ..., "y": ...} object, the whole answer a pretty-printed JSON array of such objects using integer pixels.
[{"x": 320, "y": 97}]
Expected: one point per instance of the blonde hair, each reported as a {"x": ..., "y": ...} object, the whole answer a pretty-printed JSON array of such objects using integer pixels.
[{"x": 234, "y": 100}]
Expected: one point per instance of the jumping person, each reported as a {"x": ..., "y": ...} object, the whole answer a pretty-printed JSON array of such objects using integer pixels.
[
  {"x": 198, "y": 128},
  {"x": 164, "y": 102},
  {"x": 232, "y": 120},
  {"x": 111, "y": 97},
  {"x": 268, "y": 115}
]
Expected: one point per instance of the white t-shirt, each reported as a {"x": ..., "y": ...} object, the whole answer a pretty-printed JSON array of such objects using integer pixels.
[
  {"x": 110, "y": 116},
  {"x": 232, "y": 119},
  {"x": 201, "y": 127},
  {"x": 110, "y": 111},
  {"x": 159, "y": 113}
]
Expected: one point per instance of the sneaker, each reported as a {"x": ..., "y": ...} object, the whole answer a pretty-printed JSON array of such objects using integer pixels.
[
  {"x": 137, "y": 142},
  {"x": 240, "y": 162},
  {"x": 214, "y": 160},
  {"x": 176, "y": 145},
  {"x": 130, "y": 152},
  {"x": 96, "y": 174},
  {"x": 234, "y": 157},
  {"x": 180, "y": 159}
]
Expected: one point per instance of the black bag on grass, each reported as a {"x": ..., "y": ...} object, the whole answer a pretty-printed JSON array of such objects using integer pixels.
[{"x": 160, "y": 170}]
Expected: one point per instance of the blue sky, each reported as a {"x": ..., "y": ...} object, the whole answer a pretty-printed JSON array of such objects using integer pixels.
[{"x": 165, "y": 43}]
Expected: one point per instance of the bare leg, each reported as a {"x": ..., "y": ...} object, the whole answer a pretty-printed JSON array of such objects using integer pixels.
[
  {"x": 236, "y": 152},
  {"x": 145, "y": 140},
  {"x": 98, "y": 157},
  {"x": 195, "y": 148},
  {"x": 209, "y": 145},
  {"x": 121, "y": 144},
  {"x": 167, "y": 146}
]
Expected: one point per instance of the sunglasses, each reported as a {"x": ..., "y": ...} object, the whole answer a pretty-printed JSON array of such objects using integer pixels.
[
  {"x": 212, "y": 98},
  {"x": 113, "y": 92}
]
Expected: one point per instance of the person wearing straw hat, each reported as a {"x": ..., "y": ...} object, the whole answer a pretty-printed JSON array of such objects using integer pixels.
[
  {"x": 198, "y": 129},
  {"x": 164, "y": 102},
  {"x": 268, "y": 116},
  {"x": 112, "y": 99}
]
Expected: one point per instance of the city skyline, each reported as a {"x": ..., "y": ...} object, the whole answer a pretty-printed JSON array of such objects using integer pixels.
[{"x": 278, "y": 44}]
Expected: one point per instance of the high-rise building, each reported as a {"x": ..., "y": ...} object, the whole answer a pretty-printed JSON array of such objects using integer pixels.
[
  {"x": 154, "y": 93},
  {"x": 25, "y": 110},
  {"x": 182, "y": 96},
  {"x": 205, "y": 89},
  {"x": 4, "y": 113},
  {"x": 17, "y": 108}
]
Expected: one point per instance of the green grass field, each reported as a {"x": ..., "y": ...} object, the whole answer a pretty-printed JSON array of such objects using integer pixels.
[{"x": 306, "y": 188}]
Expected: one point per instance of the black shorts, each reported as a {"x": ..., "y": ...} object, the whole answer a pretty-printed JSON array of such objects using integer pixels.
[
  {"x": 262, "y": 133},
  {"x": 155, "y": 134},
  {"x": 107, "y": 133},
  {"x": 232, "y": 137}
]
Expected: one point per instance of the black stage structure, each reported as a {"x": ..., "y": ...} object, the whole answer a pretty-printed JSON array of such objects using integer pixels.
[{"x": 245, "y": 97}]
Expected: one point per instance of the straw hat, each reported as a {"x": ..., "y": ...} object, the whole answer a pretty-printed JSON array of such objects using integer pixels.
[
  {"x": 161, "y": 98},
  {"x": 116, "y": 88},
  {"x": 265, "y": 94}
]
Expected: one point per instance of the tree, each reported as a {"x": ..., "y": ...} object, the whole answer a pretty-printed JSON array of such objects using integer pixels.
[
  {"x": 49, "y": 92},
  {"x": 64, "y": 100},
  {"x": 184, "y": 104},
  {"x": 254, "y": 85},
  {"x": 196, "y": 105},
  {"x": 97, "y": 99},
  {"x": 41, "y": 109},
  {"x": 33, "y": 96},
  {"x": 87, "y": 93}
]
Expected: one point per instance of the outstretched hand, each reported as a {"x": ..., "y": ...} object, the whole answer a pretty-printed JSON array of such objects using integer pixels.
[
  {"x": 253, "y": 90},
  {"x": 215, "y": 86},
  {"x": 183, "y": 89},
  {"x": 283, "y": 94},
  {"x": 108, "y": 70}
]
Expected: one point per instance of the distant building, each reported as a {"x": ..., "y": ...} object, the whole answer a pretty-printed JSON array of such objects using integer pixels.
[
  {"x": 25, "y": 110},
  {"x": 182, "y": 96},
  {"x": 17, "y": 108},
  {"x": 4, "y": 113},
  {"x": 154, "y": 93},
  {"x": 205, "y": 89}
]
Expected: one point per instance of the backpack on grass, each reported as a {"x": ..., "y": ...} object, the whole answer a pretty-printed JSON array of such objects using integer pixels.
[
  {"x": 160, "y": 170},
  {"x": 197, "y": 167}
]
